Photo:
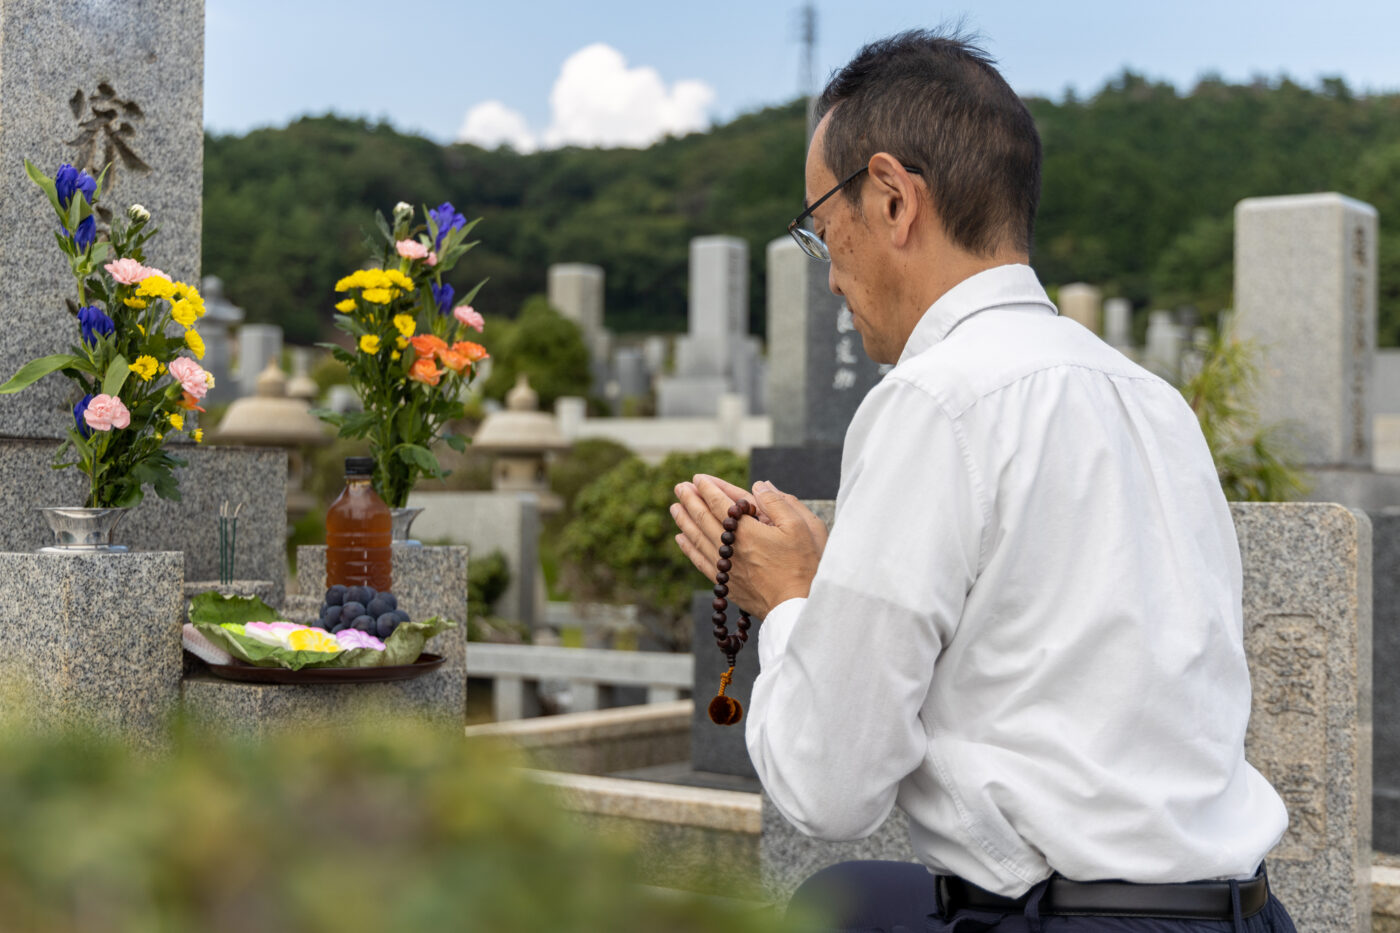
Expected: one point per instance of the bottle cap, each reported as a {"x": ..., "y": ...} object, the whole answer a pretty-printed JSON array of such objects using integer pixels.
[{"x": 359, "y": 466}]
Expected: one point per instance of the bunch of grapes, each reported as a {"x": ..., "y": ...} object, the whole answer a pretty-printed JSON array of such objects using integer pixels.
[{"x": 363, "y": 608}]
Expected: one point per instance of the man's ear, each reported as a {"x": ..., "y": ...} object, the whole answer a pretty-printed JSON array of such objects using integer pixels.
[{"x": 896, "y": 196}]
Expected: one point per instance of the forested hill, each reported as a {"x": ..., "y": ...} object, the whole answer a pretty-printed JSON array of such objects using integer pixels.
[{"x": 1140, "y": 183}]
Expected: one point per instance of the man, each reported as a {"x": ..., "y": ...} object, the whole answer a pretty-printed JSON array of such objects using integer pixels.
[{"x": 1025, "y": 628}]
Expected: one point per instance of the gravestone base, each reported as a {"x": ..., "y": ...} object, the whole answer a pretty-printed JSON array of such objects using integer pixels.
[
  {"x": 1385, "y": 537},
  {"x": 225, "y": 706},
  {"x": 92, "y": 641},
  {"x": 812, "y": 472}
]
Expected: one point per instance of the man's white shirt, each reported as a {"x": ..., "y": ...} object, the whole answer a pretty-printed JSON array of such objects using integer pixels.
[{"x": 1026, "y": 626}]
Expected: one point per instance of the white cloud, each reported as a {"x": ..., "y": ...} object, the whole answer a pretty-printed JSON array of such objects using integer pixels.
[
  {"x": 598, "y": 100},
  {"x": 491, "y": 124}
]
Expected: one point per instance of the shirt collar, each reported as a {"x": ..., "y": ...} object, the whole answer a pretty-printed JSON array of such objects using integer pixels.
[{"x": 991, "y": 288}]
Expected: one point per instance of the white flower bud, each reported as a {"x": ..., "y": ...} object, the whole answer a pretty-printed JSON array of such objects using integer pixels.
[
  {"x": 138, "y": 214},
  {"x": 403, "y": 212}
]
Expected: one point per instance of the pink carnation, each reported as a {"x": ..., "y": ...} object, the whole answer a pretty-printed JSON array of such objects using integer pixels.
[
  {"x": 156, "y": 272},
  {"x": 106, "y": 412},
  {"x": 127, "y": 271},
  {"x": 468, "y": 317},
  {"x": 411, "y": 249},
  {"x": 431, "y": 260},
  {"x": 191, "y": 376}
]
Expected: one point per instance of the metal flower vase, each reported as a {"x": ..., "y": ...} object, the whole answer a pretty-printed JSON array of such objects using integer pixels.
[
  {"x": 402, "y": 520},
  {"x": 83, "y": 531}
]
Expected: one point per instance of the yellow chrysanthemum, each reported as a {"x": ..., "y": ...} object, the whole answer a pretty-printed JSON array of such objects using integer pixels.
[
  {"x": 209, "y": 379},
  {"x": 177, "y": 421},
  {"x": 146, "y": 367},
  {"x": 136, "y": 303},
  {"x": 184, "y": 312},
  {"x": 369, "y": 343},
  {"x": 396, "y": 277},
  {"x": 199, "y": 435},
  {"x": 379, "y": 296},
  {"x": 395, "y": 355},
  {"x": 312, "y": 639},
  {"x": 346, "y": 306},
  {"x": 153, "y": 286},
  {"x": 195, "y": 343},
  {"x": 401, "y": 342},
  {"x": 160, "y": 437},
  {"x": 405, "y": 324},
  {"x": 141, "y": 329}
]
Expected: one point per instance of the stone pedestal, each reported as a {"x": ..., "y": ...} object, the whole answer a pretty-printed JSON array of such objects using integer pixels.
[
  {"x": 93, "y": 640},
  {"x": 428, "y": 581},
  {"x": 1307, "y": 623}
]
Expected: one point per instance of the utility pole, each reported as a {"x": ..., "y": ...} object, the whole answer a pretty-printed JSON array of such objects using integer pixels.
[{"x": 807, "y": 35}]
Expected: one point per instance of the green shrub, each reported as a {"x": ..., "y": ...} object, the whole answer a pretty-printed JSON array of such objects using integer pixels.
[
  {"x": 366, "y": 829},
  {"x": 620, "y": 545}
]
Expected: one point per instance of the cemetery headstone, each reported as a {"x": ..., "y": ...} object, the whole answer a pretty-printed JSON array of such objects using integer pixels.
[
  {"x": 1307, "y": 625},
  {"x": 818, "y": 375},
  {"x": 82, "y": 83},
  {"x": 716, "y": 355},
  {"x": 576, "y": 290},
  {"x": 1118, "y": 322},
  {"x": 1305, "y": 290},
  {"x": 1162, "y": 352},
  {"x": 258, "y": 344},
  {"x": 1385, "y": 789},
  {"x": 220, "y": 319},
  {"x": 1082, "y": 303}
]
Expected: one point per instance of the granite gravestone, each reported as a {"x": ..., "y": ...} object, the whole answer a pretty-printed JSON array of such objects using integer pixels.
[
  {"x": 1118, "y": 323},
  {"x": 1082, "y": 303},
  {"x": 1385, "y": 789},
  {"x": 716, "y": 356},
  {"x": 1307, "y": 622},
  {"x": 92, "y": 85},
  {"x": 575, "y": 289},
  {"x": 1305, "y": 293},
  {"x": 818, "y": 375}
]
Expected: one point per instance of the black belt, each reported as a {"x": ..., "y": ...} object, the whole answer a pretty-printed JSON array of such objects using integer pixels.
[{"x": 1196, "y": 900}]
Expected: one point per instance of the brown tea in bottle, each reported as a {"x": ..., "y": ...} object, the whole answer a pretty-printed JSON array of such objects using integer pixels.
[{"x": 359, "y": 532}]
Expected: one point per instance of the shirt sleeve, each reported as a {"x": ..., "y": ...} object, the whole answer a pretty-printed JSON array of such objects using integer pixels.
[{"x": 834, "y": 718}]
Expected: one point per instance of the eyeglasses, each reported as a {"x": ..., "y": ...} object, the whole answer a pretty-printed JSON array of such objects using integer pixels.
[{"x": 812, "y": 244}]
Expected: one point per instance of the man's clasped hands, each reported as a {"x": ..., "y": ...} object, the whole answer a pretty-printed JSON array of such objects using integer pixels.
[{"x": 775, "y": 554}]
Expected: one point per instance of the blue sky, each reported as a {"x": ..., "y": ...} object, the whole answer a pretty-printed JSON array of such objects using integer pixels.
[{"x": 545, "y": 73}]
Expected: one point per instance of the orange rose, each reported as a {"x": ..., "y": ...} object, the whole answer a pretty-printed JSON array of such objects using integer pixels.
[
  {"x": 428, "y": 345},
  {"x": 424, "y": 370},
  {"x": 472, "y": 351},
  {"x": 453, "y": 360},
  {"x": 189, "y": 403}
]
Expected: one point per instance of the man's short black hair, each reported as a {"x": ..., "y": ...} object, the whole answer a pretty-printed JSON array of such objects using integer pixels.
[{"x": 937, "y": 103}]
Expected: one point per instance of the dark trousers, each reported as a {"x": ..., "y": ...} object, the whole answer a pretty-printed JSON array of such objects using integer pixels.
[{"x": 900, "y": 897}]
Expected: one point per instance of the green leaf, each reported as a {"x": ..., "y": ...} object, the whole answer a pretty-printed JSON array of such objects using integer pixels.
[
  {"x": 456, "y": 442},
  {"x": 467, "y": 298},
  {"x": 35, "y": 370},
  {"x": 116, "y": 375},
  {"x": 45, "y": 183},
  {"x": 420, "y": 457},
  {"x": 333, "y": 418},
  {"x": 216, "y": 608},
  {"x": 383, "y": 226}
]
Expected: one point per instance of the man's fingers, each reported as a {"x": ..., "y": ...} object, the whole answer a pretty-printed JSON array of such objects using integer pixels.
[
  {"x": 734, "y": 493},
  {"x": 704, "y": 528},
  {"x": 705, "y": 566}
]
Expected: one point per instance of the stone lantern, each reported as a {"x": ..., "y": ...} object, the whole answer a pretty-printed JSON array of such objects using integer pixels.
[
  {"x": 521, "y": 437},
  {"x": 272, "y": 419}
]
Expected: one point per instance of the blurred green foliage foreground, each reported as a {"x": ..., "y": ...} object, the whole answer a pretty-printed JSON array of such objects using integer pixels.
[{"x": 361, "y": 830}]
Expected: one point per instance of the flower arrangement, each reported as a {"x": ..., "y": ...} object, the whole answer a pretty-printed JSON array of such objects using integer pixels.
[
  {"x": 133, "y": 387},
  {"x": 411, "y": 358}
]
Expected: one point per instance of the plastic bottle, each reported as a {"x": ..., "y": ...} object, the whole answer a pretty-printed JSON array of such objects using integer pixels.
[{"x": 359, "y": 533}]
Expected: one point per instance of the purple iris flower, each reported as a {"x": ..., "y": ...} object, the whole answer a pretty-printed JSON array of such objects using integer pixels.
[
  {"x": 443, "y": 295},
  {"x": 446, "y": 218},
  {"x": 94, "y": 321},
  {"x": 69, "y": 179},
  {"x": 78, "y": 410}
]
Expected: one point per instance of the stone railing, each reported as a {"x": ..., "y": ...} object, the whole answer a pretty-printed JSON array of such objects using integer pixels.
[{"x": 516, "y": 668}]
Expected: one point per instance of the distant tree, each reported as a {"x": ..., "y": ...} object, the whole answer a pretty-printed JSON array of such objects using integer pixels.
[
  {"x": 620, "y": 545},
  {"x": 544, "y": 345}
]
